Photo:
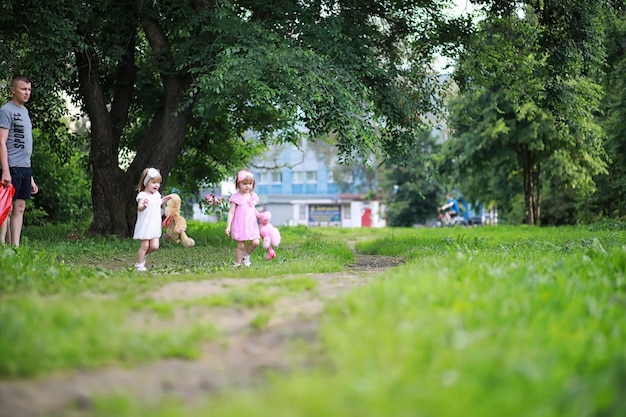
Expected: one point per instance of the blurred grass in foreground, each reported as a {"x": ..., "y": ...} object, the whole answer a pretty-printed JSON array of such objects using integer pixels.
[
  {"x": 481, "y": 322},
  {"x": 494, "y": 321}
]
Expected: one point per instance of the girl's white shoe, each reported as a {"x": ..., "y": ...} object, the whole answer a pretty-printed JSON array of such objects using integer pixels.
[
  {"x": 246, "y": 260},
  {"x": 140, "y": 267}
]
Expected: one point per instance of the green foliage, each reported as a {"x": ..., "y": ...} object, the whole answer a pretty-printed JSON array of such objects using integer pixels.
[
  {"x": 64, "y": 185},
  {"x": 525, "y": 115},
  {"x": 199, "y": 88},
  {"x": 417, "y": 190},
  {"x": 605, "y": 202},
  {"x": 215, "y": 206}
]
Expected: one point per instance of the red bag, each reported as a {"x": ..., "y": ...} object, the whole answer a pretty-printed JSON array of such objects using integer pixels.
[{"x": 6, "y": 201}]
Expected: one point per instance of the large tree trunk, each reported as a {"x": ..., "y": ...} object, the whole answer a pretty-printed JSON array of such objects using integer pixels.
[
  {"x": 113, "y": 189},
  {"x": 107, "y": 176}
]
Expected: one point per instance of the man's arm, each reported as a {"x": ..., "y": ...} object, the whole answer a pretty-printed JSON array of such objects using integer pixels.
[{"x": 4, "y": 157}]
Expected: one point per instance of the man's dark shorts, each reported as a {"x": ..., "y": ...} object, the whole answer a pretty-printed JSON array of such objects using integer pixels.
[{"x": 21, "y": 179}]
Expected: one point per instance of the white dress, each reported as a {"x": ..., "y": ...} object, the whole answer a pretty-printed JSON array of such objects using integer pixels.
[{"x": 148, "y": 224}]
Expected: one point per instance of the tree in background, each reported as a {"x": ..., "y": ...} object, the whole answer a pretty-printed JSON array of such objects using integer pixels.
[
  {"x": 525, "y": 112},
  {"x": 412, "y": 185},
  {"x": 609, "y": 200},
  {"x": 177, "y": 84}
]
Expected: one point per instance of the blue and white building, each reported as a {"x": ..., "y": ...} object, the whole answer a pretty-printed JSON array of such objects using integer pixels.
[{"x": 299, "y": 185}]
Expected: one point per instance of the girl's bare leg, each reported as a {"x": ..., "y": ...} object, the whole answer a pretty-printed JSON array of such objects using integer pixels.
[
  {"x": 143, "y": 249},
  {"x": 153, "y": 244},
  {"x": 253, "y": 245},
  {"x": 241, "y": 246},
  {"x": 246, "y": 255}
]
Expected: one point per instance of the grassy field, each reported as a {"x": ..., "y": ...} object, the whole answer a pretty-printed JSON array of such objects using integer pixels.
[{"x": 486, "y": 321}]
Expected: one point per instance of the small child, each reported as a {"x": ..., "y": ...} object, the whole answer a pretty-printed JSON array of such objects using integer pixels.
[
  {"x": 241, "y": 223},
  {"x": 148, "y": 227}
]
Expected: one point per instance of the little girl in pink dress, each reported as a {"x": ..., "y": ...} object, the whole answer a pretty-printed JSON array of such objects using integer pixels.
[{"x": 241, "y": 223}]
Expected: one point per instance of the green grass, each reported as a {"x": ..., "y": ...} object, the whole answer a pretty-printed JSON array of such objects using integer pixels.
[
  {"x": 66, "y": 299},
  {"x": 48, "y": 262},
  {"x": 491, "y": 321},
  {"x": 481, "y": 325},
  {"x": 39, "y": 335}
]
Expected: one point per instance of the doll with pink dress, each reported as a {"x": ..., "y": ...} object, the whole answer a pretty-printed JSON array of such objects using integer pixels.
[{"x": 241, "y": 223}]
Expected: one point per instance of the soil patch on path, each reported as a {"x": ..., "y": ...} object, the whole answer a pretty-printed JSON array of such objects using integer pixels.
[{"x": 240, "y": 358}]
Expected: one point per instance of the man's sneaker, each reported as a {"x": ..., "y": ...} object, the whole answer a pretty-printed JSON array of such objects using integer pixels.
[
  {"x": 140, "y": 267},
  {"x": 246, "y": 260}
]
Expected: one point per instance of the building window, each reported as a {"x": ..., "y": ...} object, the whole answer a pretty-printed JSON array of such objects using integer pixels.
[
  {"x": 270, "y": 177},
  {"x": 302, "y": 211},
  {"x": 263, "y": 177},
  {"x": 276, "y": 177},
  {"x": 331, "y": 176},
  {"x": 300, "y": 177},
  {"x": 311, "y": 176}
]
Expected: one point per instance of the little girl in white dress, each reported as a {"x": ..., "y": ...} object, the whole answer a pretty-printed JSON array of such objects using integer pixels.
[{"x": 148, "y": 226}]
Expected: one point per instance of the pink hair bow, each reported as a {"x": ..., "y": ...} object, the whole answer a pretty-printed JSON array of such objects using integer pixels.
[{"x": 241, "y": 175}]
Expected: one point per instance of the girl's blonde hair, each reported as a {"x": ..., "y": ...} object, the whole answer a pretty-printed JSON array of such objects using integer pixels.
[
  {"x": 243, "y": 175},
  {"x": 147, "y": 175}
]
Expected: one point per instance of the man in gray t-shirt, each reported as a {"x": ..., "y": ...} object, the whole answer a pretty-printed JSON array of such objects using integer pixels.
[{"x": 16, "y": 148}]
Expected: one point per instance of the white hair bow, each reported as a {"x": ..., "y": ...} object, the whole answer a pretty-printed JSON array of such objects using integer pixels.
[{"x": 152, "y": 173}]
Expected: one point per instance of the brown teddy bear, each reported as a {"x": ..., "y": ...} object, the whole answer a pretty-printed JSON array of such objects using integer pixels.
[{"x": 175, "y": 224}]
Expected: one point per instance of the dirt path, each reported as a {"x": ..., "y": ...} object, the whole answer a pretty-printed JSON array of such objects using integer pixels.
[{"x": 238, "y": 359}]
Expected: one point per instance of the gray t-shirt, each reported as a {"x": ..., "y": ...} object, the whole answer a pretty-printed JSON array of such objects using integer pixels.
[{"x": 20, "y": 141}]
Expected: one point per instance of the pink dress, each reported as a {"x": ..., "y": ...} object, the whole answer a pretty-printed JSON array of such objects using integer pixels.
[{"x": 244, "y": 225}]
